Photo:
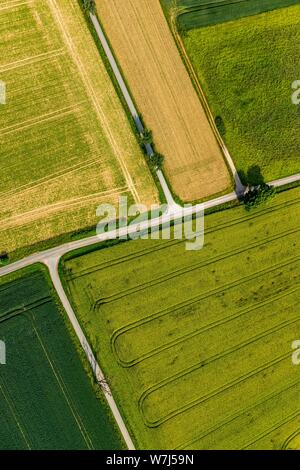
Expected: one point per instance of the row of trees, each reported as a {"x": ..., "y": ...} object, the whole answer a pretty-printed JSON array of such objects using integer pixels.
[
  {"x": 253, "y": 197},
  {"x": 156, "y": 160}
]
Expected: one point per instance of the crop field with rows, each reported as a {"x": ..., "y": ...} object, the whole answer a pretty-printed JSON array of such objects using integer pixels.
[
  {"x": 66, "y": 145},
  {"x": 198, "y": 13},
  {"x": 196, "y": 345},
  {"x": 145, "y": 49},
  {"x": 47, "y": 400}
]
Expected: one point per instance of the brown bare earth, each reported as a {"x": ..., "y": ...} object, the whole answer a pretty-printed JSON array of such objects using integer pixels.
[{"x": 165, "y": 96}]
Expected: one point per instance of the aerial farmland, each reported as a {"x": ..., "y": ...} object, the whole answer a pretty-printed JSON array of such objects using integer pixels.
[
  {"x": 252, "y": 46},
  {"x": 196, "y": 345},
  {"x": 66, "y": 144},
  {"x": 198, "y": 13},
  {"x": 47, "y": 399},
  {"x": 194, "y": 163},
  {"x": 149, "y": 230}
]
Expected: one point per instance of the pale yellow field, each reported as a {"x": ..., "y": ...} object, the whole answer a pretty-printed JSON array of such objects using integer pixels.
[
  {"x": 165, "y": 96},
  {"x": 65, "y": 142}
]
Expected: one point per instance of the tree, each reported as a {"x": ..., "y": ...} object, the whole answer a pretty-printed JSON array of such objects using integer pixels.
[
  {"x": 3, "y": 257},
  {"x": 258, "y": 195},
  {"x": 220, "y": 125},
  {"x": 89, "y": 6},
  {"x": 157, "y": 161},
  {"x": 146, "y": 137}
]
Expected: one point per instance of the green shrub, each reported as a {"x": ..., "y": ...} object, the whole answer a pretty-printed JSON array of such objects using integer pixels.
[
  {"x": 146, "y": 138},
  {"x": 259, "y": 195},
  {"x": 157, "y": 161},
  {"x": 89, "y": 6},
  {"x": 220, "y": 125},
  {"x": 4, "y": 257}
]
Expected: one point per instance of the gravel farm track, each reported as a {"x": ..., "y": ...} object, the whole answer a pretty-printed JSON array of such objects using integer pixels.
[
  {"x": 165, "y": 96},
  {"x": 51, "y": 259}
]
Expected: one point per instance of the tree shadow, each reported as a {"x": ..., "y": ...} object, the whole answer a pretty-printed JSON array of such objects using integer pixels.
[{"x": 253, "y": 177}]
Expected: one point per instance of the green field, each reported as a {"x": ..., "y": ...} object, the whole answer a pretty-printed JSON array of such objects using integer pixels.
[
  {"x": 198, "y": 13},
  {"x": 197, "y": 345},
  {"x": 66, "y": 143},
  {"x": 248, "y": 82},
  {"x": 47, "y": 399}
]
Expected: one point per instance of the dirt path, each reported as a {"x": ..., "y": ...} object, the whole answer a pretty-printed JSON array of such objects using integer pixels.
[
  {"x": 52, "y": 264},
  {"x": 238, "y": 184},
  {"x": 51, "y": 259},
  {"x": 145, "y": 48},
  {"x": 130, "y": 104}
]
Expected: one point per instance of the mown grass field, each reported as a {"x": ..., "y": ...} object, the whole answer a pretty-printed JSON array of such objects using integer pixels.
[
  {"x": 198, "y": 13},
  {"x": 162, "y": 89},
  {"x": 66, "y": 143},
  {"x": 248, "y": 82},
  {"x": 47, "y": 399},
  {"x": 197, "y": 345}
]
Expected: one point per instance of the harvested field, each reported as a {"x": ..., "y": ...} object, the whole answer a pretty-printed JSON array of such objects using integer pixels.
[
  {"x": 197, "y": 345},
  {"x": 47, "y": 400},
  {"x": 160, "y": 84},
  {"x": 66, "y": 143}
]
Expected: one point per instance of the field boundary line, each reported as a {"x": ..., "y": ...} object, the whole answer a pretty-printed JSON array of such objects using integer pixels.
[
  {"x": 162, "y": 76},
  {"x": 201, "y": 95},
  {"x": 52, "y": 265},
  {"x": 172, "y": 243},
  {"x": 203, "y": 329},
  {"x": 84, "y": 76}
]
